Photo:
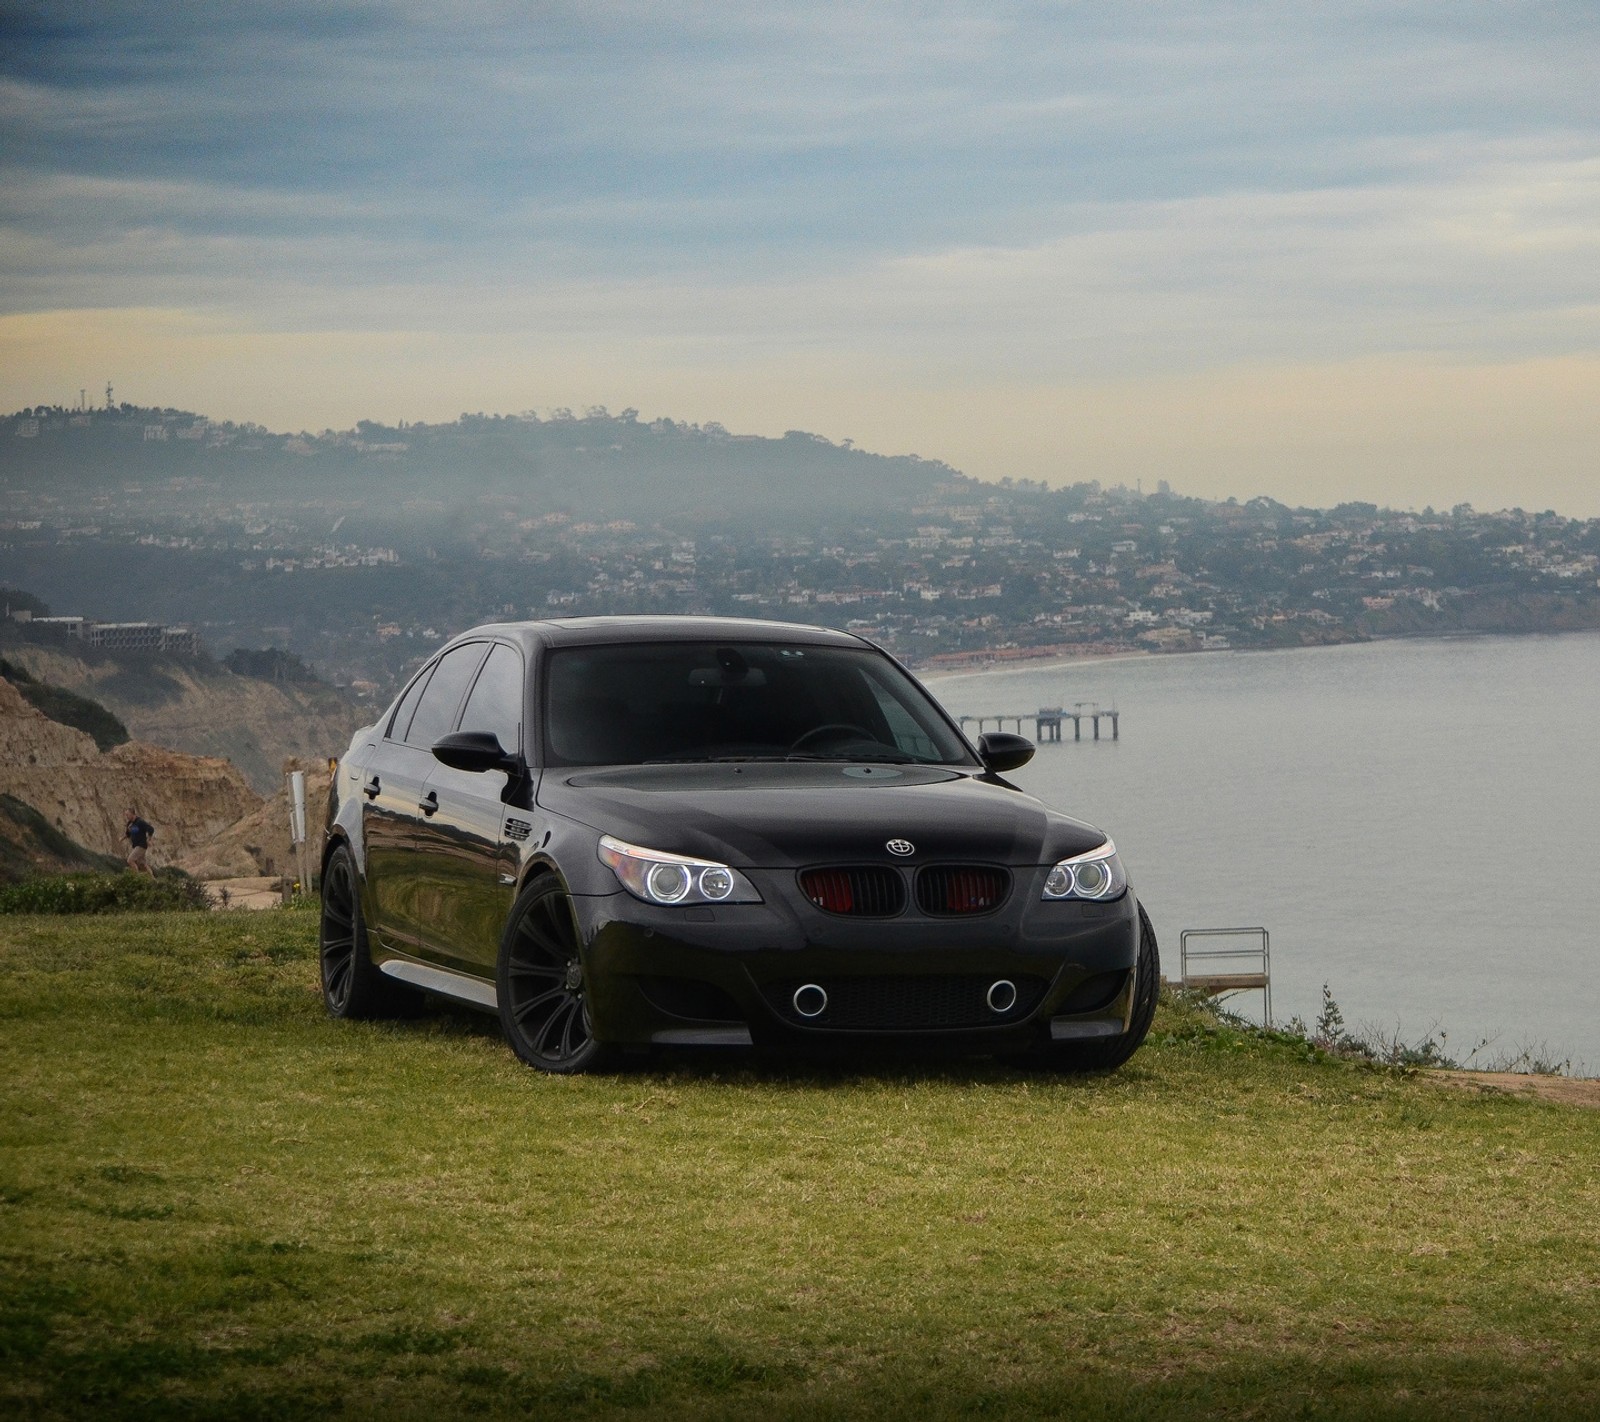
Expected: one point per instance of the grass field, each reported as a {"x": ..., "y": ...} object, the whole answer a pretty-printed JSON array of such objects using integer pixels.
[{"x": 214, "y": 1202}]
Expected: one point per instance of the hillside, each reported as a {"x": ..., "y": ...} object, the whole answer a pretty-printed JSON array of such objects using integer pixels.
[
  {"x": 30, "y": 844},
  {"x": 66, "y": 707},
  {"x": 258, "y": 844},
  {"x": 359, "y": 551},
  {"x": 204, "y": 710},
  {"x": 80, "y": 792},
  {"x": 595, "y": 465}
]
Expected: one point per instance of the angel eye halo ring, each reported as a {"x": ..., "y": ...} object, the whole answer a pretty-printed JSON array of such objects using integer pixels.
[
  {"x": 673, "y": 879},
  {"x": 1096, "y": 875}
]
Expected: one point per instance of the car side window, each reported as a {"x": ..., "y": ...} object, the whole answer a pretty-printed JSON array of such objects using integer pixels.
[
  {"x": 436, "y": 712},
  {"x": 401, "y": 720},
  {"x": 495, "y": 705}
]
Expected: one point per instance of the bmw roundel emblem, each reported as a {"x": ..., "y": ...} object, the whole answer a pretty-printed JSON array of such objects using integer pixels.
[{"x": 901, "y": 847}]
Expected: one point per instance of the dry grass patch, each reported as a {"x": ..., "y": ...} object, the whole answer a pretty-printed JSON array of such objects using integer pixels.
[{"x": 214, "y": 1201}]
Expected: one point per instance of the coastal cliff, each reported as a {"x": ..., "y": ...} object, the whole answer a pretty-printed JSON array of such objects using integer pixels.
[
  {"x": 205, "y": 711},
  {"x": 82, "y": 791}
]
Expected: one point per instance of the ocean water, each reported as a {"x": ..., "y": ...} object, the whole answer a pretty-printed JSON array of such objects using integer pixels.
[{"x": 1417, "y": 823}]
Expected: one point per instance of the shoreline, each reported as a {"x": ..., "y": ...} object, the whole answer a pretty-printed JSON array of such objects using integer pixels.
[
  {"x": 1052, "y": 663},
  {"x": 1059, "y": 661}
]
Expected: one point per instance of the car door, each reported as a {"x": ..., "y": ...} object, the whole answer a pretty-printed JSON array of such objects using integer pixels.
[
  {"x": 388, "y": 816},
  {"x": 394, "y": 786},
  {"x": 466, "y": 862}
]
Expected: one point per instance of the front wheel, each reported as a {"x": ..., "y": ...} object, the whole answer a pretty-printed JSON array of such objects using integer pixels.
[
  {"x": 1108, "y": 1053},
  {"x": 544, "y": 1008}
]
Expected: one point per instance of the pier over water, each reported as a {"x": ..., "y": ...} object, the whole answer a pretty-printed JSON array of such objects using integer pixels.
[{"x": 1048, "y": 720}]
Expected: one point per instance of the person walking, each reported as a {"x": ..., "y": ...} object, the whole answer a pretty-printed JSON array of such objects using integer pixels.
[{"x": 138, "y": 834}]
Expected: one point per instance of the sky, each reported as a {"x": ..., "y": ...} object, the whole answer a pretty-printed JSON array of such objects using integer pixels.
[{"x": 1320, "y": 251}]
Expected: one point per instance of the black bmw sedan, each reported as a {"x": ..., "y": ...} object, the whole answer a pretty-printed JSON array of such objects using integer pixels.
[{"x": 620, "y": 833}]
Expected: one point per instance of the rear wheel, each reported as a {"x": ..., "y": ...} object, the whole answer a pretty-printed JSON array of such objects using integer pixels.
[
  {"x": 544, "y": 1008},
  {"x": 1108, "y": 1053},
  {"x": 351, "y": 986}
]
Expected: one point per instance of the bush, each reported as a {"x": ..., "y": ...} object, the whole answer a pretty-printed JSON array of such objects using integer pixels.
[
  {"x": 105, "y": 893},
  {"x": 1330, "y": 1034}
]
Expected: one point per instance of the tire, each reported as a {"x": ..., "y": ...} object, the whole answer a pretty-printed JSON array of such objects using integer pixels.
[
  {"x": 1108, "y": 1053},
  {"x": 351, "y": 986},
  {"x": 539, "y": 981}
]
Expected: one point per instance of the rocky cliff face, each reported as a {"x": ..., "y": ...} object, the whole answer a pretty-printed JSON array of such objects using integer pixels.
[
  {"x": 259, "y": 843},
  {"x": 62, "y": 774},
  {"x": 208, "y": 712}
]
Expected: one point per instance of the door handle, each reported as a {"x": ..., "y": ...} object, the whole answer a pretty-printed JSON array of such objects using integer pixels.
[
  {"x": 371, "y": 788},
  {"x": 429, "y": 802}
]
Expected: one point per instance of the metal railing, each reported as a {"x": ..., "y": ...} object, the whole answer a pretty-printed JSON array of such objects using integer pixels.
[{"x": 1257, "y": 955}]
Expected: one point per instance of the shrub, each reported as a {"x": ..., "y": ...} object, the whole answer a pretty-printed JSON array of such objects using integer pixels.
[
  {"x": 105, "y": 893},
  {"x": 1330, "y": 1034}
]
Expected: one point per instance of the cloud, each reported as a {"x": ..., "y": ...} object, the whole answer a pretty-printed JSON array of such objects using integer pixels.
[{"x": 921, "y": 198}]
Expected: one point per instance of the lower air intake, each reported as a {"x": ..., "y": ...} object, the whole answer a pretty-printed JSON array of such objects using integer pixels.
[{"x": 928, "y": 1002}]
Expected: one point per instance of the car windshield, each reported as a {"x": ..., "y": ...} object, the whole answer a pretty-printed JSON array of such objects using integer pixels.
[{"x": 635, "y": 703}]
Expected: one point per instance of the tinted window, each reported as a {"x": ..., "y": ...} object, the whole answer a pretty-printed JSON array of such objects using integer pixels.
[
  {"x": 628, "y": 703},
  {"x": 407, "y": 707},
  {"x": 436, "y": 712},
  {"x": 909, "y": 735},
  {"x": 496, "y": 701}
]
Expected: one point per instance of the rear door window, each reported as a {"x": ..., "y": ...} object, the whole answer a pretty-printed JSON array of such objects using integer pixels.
[
  {"x": 495, "y": 705},
  {"x": 435, "y": 717},
  {"x": 401, "y": 720}
]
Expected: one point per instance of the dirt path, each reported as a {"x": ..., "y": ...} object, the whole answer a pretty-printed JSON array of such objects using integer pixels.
[
  {"x": 1568, "y": 1090},
  {"x": 246, "y": 893}
]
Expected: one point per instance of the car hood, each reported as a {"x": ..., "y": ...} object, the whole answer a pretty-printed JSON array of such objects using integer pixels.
[{"x": 782, "y": 815}]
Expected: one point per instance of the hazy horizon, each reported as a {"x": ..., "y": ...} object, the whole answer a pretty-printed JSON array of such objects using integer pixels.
[
  {"x": 556, "y": 414},
  {"x": 1318, "y": 255}
]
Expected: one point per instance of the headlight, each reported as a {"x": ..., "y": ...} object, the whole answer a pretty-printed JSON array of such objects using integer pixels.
[
  {"x": 1097, "y": 875},
  {"x": 660, "y": 878}
]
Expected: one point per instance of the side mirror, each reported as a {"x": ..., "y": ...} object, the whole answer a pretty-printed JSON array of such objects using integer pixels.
[
  {"x": 1001, "y": 751},
  {"x": 475, "y": 751}
]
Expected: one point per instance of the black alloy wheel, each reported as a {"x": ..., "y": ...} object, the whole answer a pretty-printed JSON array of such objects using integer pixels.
[
  {"x": 544, "y": 1009},
  {"x": 351, "y": 986},
  {"x": 1108, "y": 1053}
]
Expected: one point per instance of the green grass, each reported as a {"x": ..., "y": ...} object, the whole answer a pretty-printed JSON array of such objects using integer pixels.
[{"x": 216, "y": 1203}]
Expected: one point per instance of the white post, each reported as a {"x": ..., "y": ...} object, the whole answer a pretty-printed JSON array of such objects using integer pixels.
[{"x": 297, "y": 825}]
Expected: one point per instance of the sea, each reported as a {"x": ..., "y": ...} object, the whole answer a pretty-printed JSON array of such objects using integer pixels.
[{"x": 1415, "y": 822}]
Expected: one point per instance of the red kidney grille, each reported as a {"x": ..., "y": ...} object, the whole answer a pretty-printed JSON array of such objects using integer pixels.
[
  {"x": 946, "y": 890},
  {"x": 867, "y": 891}
]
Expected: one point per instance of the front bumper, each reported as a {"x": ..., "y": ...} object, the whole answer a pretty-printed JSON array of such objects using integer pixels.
[{"x": 730, "y": 973}]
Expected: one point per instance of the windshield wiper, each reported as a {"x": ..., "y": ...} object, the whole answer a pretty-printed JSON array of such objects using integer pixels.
[
  {"x": 717, "y": 759},
  {"x": 885, "y": 757},
  {"x": 888, "y": 757}
]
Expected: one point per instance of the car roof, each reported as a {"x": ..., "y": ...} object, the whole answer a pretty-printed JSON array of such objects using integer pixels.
[{"x": 591, "y": 631}]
